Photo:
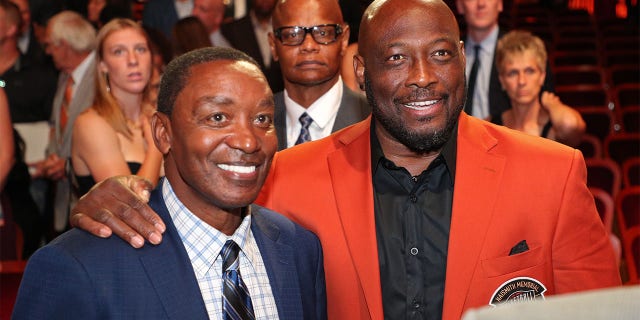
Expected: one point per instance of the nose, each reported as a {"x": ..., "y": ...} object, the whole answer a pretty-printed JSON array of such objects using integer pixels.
[
  {"x": 244, "y": 138},
  {"x": 419, "y": 73},
  {"x": 522, "y": 78},
  {"x": 132, "y": 57},
  {"x": 309, "y": 44}
]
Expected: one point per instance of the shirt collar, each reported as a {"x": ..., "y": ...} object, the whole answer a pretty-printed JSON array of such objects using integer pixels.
[
  {"x": 321, "y": 111},
  {"x": 488, "y": 44},
  {"x": 81, "y": 69},
  {"x": 202, "y": 241},
  {"x": 448, "y": 153}
]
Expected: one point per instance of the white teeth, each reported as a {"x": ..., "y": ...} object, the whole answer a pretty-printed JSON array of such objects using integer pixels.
[
  {"x": 237, "y": 169},
  {"x": 419, "y": 105}
]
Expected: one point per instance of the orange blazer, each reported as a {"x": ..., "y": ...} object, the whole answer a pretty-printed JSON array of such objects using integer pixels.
[{"x": 508, "y": 187}]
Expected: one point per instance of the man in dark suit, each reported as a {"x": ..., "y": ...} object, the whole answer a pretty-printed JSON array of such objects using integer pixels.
[
  {"x": 214, "y": 127},
  {"x": 163, "y": 14},
  {"x": 486, "y": 99},
  {"x": 249, "y": 34},
  {"x": 309, "y": 40}
]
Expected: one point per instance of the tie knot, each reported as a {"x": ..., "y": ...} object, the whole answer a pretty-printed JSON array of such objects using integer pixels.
[
  {"x": 305, "y": 120},
  {"x": 230, "y": 252},
  {"x": 477, "y": 48}
]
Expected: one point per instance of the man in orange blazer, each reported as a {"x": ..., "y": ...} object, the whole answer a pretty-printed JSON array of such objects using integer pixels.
[{"x": 513, "y": 217}]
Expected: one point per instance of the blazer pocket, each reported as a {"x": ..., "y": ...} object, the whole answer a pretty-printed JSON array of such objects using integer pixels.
[{"x": 508, "y": 264}]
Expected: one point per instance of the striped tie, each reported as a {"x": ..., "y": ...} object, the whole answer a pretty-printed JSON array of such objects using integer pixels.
[
  {"x": 236, "y": 302},
  {"x": 66, "y": 100},
  {"x": 305, "y": 121}
]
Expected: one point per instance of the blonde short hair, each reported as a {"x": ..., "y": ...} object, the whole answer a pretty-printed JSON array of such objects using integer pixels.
[{"x": 519, "y": 41}]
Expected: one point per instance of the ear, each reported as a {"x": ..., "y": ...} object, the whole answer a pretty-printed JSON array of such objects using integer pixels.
[
  {"x": 103, "y": 67},
  {"x": 344, "y": 42},
  {"x": 161, "y": 129},
  {"x": 358, "y": 67},
  {"x": 272, "y": 46}
]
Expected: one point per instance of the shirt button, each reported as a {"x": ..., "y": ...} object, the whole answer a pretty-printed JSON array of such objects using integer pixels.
[
  {"x": 413, "y": 198},
  {"x": 414, "y": 251}
]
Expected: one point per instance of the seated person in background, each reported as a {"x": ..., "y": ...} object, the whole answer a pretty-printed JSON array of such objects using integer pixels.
[
  {"x": 189, "y": 34},
  {"x": 221, "y": 258},
  {"x": 521, "y": 60},
  {"x": 113, "y": 137}
]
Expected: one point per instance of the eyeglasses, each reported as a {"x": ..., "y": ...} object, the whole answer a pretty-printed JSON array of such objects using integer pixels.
[{"x": 322, "y": 34}]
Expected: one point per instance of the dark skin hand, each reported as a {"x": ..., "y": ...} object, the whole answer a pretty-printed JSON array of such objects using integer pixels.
[{"x": 119, "y": 206}]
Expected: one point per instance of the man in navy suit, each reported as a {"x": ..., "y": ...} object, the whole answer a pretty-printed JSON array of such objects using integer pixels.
[{"x": 214, "y": 126}]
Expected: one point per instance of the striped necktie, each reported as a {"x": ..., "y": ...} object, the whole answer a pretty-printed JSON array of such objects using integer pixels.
[
  {"x": 473, "y": 75},
  {"x": 236, "y": 304},
  {"x": 305, "y": 121},
  {"x": 66, "y": 100}
]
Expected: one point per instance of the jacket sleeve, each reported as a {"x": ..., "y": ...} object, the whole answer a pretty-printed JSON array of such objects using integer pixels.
[
  {"x": 55, "y": 286},
  {"x": 582, "y": 253}
]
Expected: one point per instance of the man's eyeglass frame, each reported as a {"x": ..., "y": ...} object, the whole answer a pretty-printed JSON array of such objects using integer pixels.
[{"x": 309, "y": 30}]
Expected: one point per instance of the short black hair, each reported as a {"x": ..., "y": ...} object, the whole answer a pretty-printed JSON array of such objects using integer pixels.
[{"x": 179, "y": 69}]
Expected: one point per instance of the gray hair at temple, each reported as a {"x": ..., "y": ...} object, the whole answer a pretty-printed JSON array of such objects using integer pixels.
[
  {"x": 179, "y": 69},
  {"x": 74, "y": 29}
]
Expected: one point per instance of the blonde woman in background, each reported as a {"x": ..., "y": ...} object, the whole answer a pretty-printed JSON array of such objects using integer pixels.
[
  {"x": 113, "y": 137},
  {"x": 521, "y": 62}
]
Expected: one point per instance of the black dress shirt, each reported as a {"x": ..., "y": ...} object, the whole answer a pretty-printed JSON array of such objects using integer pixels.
[{"x": 413, "y": 218}]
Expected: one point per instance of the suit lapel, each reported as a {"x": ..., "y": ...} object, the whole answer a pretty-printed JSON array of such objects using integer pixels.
[
  {"x": 170, "y": 271},
  {"x": 353, "y": 191},
  {"x": 277, "y": 258},
  {"x": 280, "y": 120},
  {"x": 82, "y": 99},
  {"x": 478, "y": 176},
  {"x": 349, "y": 110}
]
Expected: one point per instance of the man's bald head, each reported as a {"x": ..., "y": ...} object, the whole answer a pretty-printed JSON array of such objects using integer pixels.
[
  {"x": 285, "y": 9},
  {"x": 389, "y": 10}
]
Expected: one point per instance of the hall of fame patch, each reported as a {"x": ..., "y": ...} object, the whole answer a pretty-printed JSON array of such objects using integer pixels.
[{"x": 517, "y": 290}]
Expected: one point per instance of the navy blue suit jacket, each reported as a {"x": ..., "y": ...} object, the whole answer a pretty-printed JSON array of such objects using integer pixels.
[
  {"x": 161, "y": 15},
  {"x": 79, "y": 276}
]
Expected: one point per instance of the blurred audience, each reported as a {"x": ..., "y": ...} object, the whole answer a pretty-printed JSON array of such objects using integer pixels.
[
  {"x": 189, "y": 34},
  {"x": 27, "y": 42},
  {"x": 250, "y": 34},
  {"x": 70, "y": 40},
  {"x": 521, "y": 58},
  {"x": 161, "y": 47},
  {"x": 113, "y": 137},
  {"x": 485, "y": 98},
  {"x": 29, "y": 87},
  {"x": 99, "y": 12},
  {"x": 309, "y": 40},
  {"x": 163, "y": 14},
  {"x": 15, "y": 183},
  {"x": 210, "y": 13}
]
